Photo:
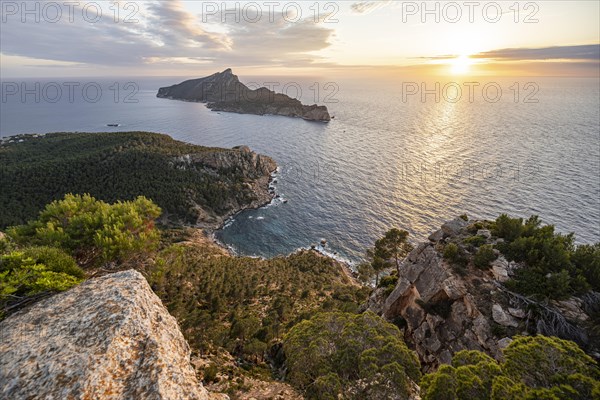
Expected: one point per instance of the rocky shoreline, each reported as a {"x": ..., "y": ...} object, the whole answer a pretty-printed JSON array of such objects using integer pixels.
[{"x": 261, "y": 188}]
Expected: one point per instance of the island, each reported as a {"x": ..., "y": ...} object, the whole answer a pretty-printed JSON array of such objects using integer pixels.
[{"x": 223, "y": 91}]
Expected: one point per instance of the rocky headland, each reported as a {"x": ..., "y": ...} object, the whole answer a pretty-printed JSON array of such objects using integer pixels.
[
  {"x": 193, "y": 185},
  {"x": 444, "y": 309},
  {"x": 223, "y": 91}
]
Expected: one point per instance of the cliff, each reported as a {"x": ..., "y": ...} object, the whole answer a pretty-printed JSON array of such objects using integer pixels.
[
  {"x": 108, "y": 338},
  {"x": 444, "y": 309},
  {"x": 223, "y": 91}
]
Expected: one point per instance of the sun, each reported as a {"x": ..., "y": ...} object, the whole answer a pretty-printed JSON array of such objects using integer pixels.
[{"x": 460, "y": 65}]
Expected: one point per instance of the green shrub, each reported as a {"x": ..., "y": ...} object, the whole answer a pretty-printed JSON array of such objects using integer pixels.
[
  {"x": 210, "y": 373},
  {"x": 475, "y": 241},
  {"x": 586, "y": 258},
  {"x": 470, "y": 357},
  {"x": 388, "y": 281},
  {"x": 484, "y": 256},
  {"x": 451, "y": 252},
  {"x": 534, "y": 368},
  {"x": 22, "y": 276},
  {"x": 5, "y": 245},
  {"x": 507, "y": 228},
  {"x": 93, "y": 231},
  {"x": 55, "y": 260},
  {"x": 553, "y": 267},
  {"x": 541, "y": 361},
  {"x": 328, "y": 355},
  {"x": 475, "y": 226}
]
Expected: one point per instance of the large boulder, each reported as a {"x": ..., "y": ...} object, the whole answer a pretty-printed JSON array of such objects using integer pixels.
[{"x": 108, "y": 338}]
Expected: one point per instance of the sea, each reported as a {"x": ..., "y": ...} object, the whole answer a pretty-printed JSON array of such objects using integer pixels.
[{"x": 399, "y": 152}]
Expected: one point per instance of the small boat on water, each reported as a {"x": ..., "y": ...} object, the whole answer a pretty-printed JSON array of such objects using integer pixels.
[{"x": 113, "y": 124}]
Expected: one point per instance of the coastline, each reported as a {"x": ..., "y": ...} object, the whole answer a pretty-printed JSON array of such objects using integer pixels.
[
  {"x": 269, "y": 195},
  {"x": 264, "y": 197}
]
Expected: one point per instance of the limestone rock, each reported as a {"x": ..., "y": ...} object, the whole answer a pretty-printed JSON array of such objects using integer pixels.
[
  {"x": 500, "y": 269},
  {"x": 427, "y": 281},
  {"x": 452, "y": 228},
  {"x": 485, "y": 233},
  {"x": 436, "y": 236},
  {"x": 108, "y": 338},
  {"x": 502, "y": 317},
  {"x": 504, "y": 342},
  {"x": 446, "y": 310},
  {"x": 517, "y": 312},
  {"x": 572, "y": 309}
]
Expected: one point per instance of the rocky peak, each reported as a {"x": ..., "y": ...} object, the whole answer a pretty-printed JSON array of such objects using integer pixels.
[
  {"x": 444, "y": 309},
  {"x": 108, "y": 338}
]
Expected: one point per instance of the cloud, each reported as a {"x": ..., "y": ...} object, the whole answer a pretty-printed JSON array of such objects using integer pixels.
[
  {"x": 587, "y": 52},
  {"x": 366, "y": 7},
  {"x": 580, "y": 52},
  {"x": 166, "y": 34}
]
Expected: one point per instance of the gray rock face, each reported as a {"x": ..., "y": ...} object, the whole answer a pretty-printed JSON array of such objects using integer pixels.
[
  {"x": 447, "y": 309},
  {"x": 426, "y": 287},
  {"x": 255, "y": 169},
  {"x": 109, "y": 338},
  {"x": 224, "y": 92},
  {"x": 500, "y": 269},
  {"x": 485, "y": 233},
  {"x": 452, "y": 228},
  {"x": 502, "y": 317}
]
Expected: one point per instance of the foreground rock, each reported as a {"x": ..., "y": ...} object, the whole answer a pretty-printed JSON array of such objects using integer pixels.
[
  {"x": 109, "y": 338},
  {"x": 224, "y": 92}
]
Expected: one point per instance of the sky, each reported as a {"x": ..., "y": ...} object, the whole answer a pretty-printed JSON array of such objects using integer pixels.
[{"x": 196, "y": 38}]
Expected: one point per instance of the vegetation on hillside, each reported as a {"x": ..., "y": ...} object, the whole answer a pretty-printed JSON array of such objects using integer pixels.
[
  {"x": 355, "y": 356},
  {"x": 113, "y": 167},
  {"x": 245, "y": 304},
  {"x": 33, "y": 272},
  {"x": 553, "y": 266},
  {"x": 92, "y": 231},
  {"x": 388, "y": 251},
  {"x": 534, "y": 368},
  {"x": 294, "y": 317},
  {"x": 47, "y": 255}
]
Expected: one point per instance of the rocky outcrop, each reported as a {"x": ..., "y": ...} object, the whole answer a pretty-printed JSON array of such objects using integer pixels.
[
  {"x": 440, "y": 309},
  {"x": 445, "y": 309},
  {"x": 224, "y": 92},
  {"x": 256, "y": 170},
  {"x": 108, "y": 338}
]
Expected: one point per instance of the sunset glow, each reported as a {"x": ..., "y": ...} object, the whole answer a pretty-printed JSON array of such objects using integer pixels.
[
  {"x": 461, "y": 65},
  {"x": 184, "y": 37}
]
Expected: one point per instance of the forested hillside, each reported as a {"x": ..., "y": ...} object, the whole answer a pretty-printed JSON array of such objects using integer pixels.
[{"x": 188, "y": 182}]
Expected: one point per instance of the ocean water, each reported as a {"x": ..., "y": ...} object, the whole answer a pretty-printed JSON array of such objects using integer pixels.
[{"x": 388, "y": 159}]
